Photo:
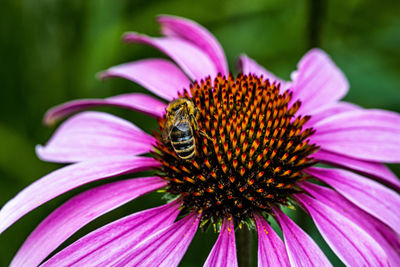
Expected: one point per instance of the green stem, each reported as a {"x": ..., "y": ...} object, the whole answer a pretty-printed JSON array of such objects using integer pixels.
[{"x": 244, "y": 242}]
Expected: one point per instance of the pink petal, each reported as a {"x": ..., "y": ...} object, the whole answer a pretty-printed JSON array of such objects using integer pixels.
[
  {"x": 359, "y": 118},
  {"x": 365, "y": 134},
  {"x": 301, "y": 249},
  {"x": 159, "y": 76},
  {"x": 372, "y": 143},
  {"x": 368, "y": 195},
  {"x": 386, "y": 237},
  {"x": 392, "y": 239},
  {"x": 76, "y": 213},
  {"x": 193, "y": 61},
  {"x": 92, "y": 135},
  {"x": 318, "y": 81},
  {"x": 135, "y": 101},
  {"x": 67, "y": 178},
  {"x": 223, "y": 254},
  {"x": 330, "y": 110},
  {"x": 349, "y": 241},
  {"x": 197, "y": 35},
  {"x": 250, "y": 66},
  {"x": 372, "y": 169},
  {"x": 271, "y": 250},
  {"x": 109, "y": 243},
  {"x": 165, "y": 248}
]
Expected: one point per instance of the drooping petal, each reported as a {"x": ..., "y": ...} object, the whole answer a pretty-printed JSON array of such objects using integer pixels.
[
  {"x": 223, "y": 253},
  {"x": 197, "y": 35},
  {"x": 359, "y": 118},
  {"x": 193, "y": 61},
  {"x": 371, "y": 143},
  {"x": 318, "y": 81},
  {"x": 76, "y": 213},
  {"x": 271, "y": 250},
  {"x": 301, "y": 249},
  {"x": 165, "y": 248},
  {"x": 372, "y": 169},
  {"x": 386, "y": 237},
  {"x": 250, "y": 66},
  {"x": 351, "y": 243},
  {"x": 364, "y": 134},
  {"x": 91, "y": 135},
  {"x": 157, "y": 75},
  {"x": 135, "y": 101},
  {"x": 372, "y": 197},
  {"x": 65, "y": 179},
  {"x": 110, "y": 242},
  {"x": 392, "y": 242},
  {"x": 329, "y": 110}
]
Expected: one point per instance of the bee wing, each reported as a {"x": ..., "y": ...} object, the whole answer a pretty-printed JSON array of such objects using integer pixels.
[
  {"x": 180, "y": 116},
  {"x": 177, "y": 120},
  {"x": 166, "y": 130}
]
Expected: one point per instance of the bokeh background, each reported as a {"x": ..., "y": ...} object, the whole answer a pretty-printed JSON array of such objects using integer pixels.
[{"x": 50, "y": 52}]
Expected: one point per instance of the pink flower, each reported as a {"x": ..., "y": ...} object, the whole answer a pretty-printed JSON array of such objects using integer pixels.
[{"x": 264, "y": 139}]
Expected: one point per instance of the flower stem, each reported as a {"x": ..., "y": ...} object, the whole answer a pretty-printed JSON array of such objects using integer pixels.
[{"x": 244, "y": 247}]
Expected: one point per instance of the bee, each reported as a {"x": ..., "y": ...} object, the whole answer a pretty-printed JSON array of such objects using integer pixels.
[{"x": 180, "y": 127}]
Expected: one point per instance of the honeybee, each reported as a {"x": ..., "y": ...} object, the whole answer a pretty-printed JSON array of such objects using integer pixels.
[{"x": 180, "y": 126}]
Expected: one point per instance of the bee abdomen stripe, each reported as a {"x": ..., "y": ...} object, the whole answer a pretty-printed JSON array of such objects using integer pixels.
[
  {"x": 181, "y": 133},
  {"x": 188, "y": 147},
  {"x": 182, "y": 138},
  {"x": 186, "y": 154},
  {"x": 183, "y": 142}
]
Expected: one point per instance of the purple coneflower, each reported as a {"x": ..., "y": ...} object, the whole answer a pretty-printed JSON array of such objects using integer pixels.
[{"x": 262, "y": 138}]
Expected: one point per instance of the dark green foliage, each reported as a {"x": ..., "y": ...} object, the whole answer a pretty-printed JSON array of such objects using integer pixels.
[{"x": 50, "y": 52}]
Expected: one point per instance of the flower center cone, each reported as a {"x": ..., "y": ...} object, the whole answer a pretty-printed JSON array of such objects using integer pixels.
[{"x": 254, "y": 157}]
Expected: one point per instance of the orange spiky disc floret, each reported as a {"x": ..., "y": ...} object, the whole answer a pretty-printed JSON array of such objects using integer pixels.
[{"x": 255, "y": 154}]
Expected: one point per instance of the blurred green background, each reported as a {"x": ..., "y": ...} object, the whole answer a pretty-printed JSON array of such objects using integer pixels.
[{"x": 51, "y": 50}]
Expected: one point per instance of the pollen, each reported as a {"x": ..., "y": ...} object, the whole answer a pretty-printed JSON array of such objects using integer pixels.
[{"x": 250, "y": 149}]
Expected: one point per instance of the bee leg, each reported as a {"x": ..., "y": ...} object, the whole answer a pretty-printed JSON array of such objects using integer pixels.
[
  {"x": 205, "y": 135},
  {"x": 196, "y": 127},
  {"x": 194, "y": 122}
]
